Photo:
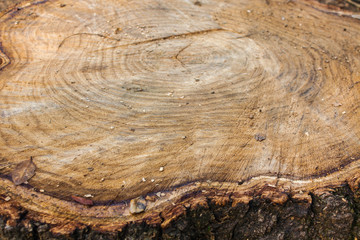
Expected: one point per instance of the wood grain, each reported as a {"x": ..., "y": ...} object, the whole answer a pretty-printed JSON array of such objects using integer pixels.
[
  {"x": 5, "y": 4},
  {"x": 104, "y": 94}
]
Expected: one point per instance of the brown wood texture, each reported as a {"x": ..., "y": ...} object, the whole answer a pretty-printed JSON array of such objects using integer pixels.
[
  {"x": 118, "y": 100},
  {"x": 5, "y": 4}
]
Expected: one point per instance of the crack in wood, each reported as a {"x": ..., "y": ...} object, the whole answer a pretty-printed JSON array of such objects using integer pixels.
[
  {"x": 184, "y": 35},
  {"x": 179, "y": 52}
]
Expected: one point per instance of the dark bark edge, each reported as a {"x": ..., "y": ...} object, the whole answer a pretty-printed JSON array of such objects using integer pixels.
[{"x": 332, "y": 214}]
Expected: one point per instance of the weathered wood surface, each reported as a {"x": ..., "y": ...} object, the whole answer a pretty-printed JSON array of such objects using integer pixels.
[
  {"x": 116, "y": 100},
  {"x": 5, "y": 4}
]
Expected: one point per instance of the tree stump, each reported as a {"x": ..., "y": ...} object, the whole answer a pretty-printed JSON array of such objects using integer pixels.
[{"x": 179, "y": 119}]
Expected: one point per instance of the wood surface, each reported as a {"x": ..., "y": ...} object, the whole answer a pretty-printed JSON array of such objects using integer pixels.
[
  {"x": 116, "y": 101},
  {"x": 6, "y": 4}
]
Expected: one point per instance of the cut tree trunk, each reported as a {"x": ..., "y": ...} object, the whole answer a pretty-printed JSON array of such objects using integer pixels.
[{"x": 179, "y": 119}]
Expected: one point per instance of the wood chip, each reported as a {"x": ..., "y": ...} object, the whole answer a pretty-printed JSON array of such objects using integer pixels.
[
  {"x": 23, "y": 172},
  {"x": 137, "y": 205}
]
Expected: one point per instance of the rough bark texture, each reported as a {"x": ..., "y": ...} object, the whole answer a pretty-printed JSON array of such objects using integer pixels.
[
  {"x": 179, "y": 119},
  {"x": 326, "y": 215}
]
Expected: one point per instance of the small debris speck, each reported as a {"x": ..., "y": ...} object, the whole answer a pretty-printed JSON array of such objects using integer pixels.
[
  {"x": 260, "y": 137},
  {"x": 118, "y": 30},
  {"x": 41, "y": 190},
  {"x": 306, "y": 133},
  {"x": 143, "y": 179},
  {"x": 7, "y": 199},
  {"x": 161, "y": 169},
  {"x": 152, "y": 180},
  {"x": 102, "y": 179},
  {"x": 88, "y": 195},
  {"x": 8, "y": 227},
  {"x": 112, "y": 127},
  {"x": 62, "y": 5}
]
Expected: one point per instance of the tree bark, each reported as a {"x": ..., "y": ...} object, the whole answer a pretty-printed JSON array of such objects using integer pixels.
[{"x": 179, "y": 119}]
